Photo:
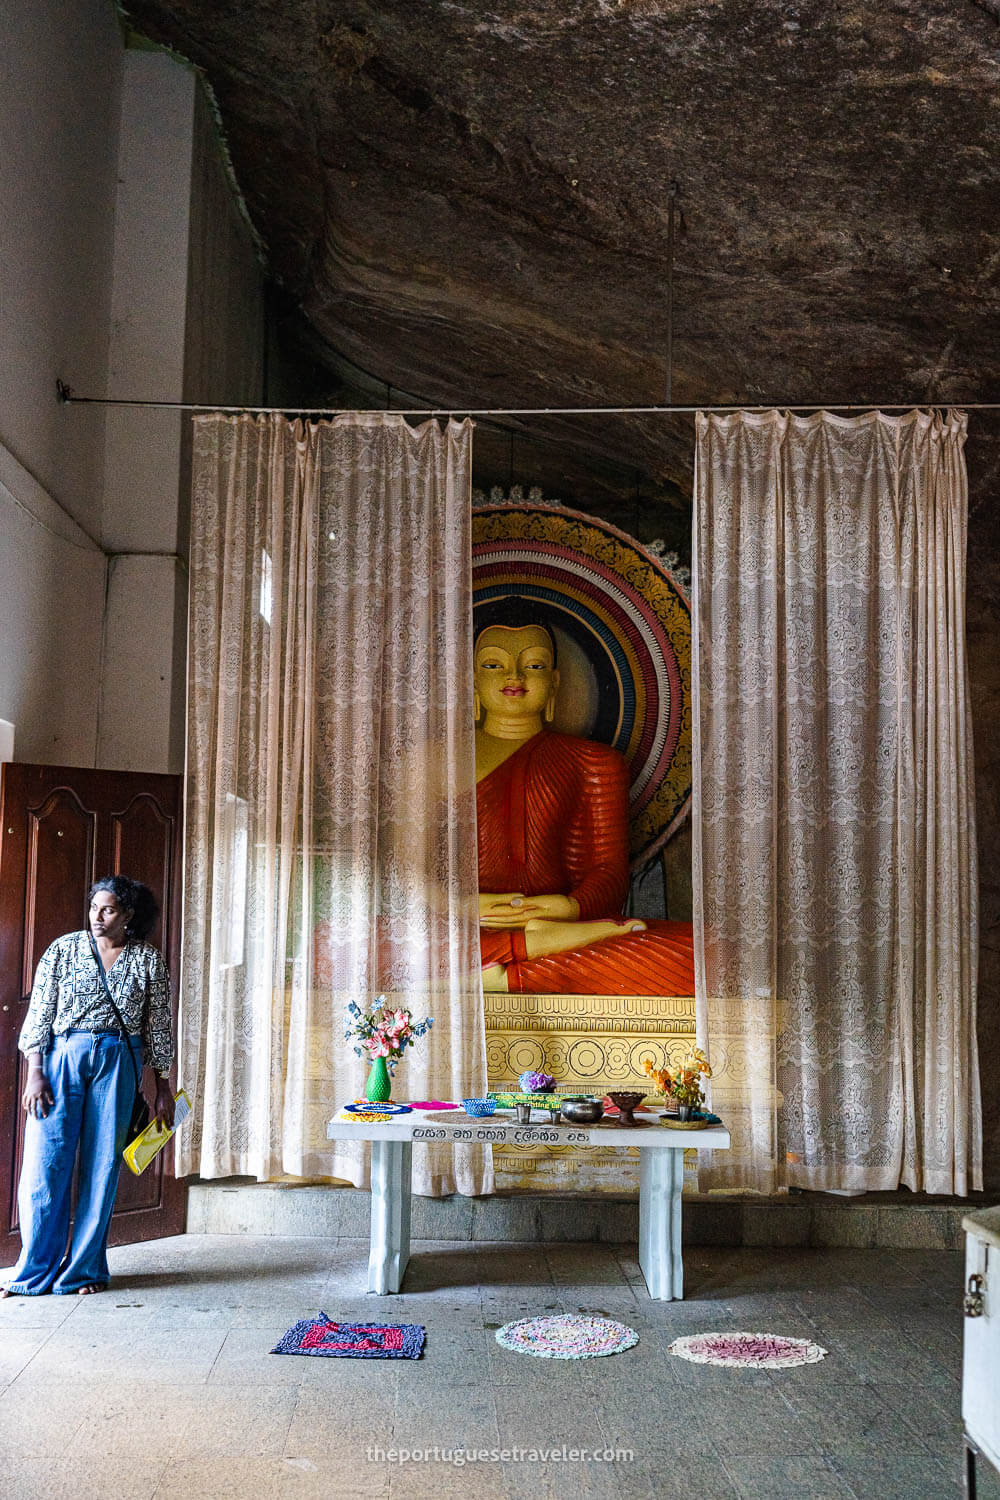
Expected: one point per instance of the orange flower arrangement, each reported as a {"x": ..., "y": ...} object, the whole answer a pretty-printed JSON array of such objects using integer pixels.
[{"x": 682, "y": 1083}]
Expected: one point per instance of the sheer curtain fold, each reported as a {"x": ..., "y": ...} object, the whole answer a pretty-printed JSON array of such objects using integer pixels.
[
  {"x": 834, "y": 856},
  {"x": 330, "y": 845}
]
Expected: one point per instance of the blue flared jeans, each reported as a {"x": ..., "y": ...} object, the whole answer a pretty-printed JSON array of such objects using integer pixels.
[{"x": 93, "y": 1086}]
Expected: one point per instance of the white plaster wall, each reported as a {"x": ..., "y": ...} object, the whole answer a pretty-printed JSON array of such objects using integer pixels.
[
  {"x": 142, "y": 697},
  {"x": 60, "y": 76},
  {"x": 149, "y": 303},
  {"x": 187, "y": 324},
  {"x": 60, "y": 81},
  {"x": 51, "y": 615},
  {"x": 107, "y": 157},
  {"x": 144, "y": 639}
]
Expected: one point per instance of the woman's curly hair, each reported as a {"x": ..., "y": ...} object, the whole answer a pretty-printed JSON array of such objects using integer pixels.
[{"x": 133, "y": 896}]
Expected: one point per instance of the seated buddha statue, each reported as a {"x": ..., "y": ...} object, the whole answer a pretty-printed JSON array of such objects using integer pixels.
[{"x": 553, "y": 842}]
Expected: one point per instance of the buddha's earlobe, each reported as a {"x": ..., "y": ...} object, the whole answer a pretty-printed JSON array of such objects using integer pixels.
[
  {"x": 477, "y": 707},
  {"x": 550, "y": 710}
]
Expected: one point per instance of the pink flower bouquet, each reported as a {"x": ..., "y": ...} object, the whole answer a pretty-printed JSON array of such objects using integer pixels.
[{"x": 383, "y": 1032}]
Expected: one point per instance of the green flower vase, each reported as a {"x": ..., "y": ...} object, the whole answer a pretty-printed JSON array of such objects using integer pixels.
[{"x": 379, "y": 1086}]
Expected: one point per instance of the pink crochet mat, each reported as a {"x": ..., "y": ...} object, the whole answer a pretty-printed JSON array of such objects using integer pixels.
[{"x": 749, "y": 1351}]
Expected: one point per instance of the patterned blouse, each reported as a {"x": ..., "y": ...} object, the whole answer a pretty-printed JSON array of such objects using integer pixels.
[{"x": 68, "y": 995}]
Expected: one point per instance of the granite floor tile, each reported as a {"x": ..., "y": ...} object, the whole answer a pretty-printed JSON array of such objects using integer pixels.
[
  {"x": 37, "y": 1312},
  {"x": 117, "y": 1313},
  {"x": 25, "y": 1477},
  {"x": 861, "y": 1417},
  {"x": 937, "y": 1420},
  {"x": 232, "y": 1291},
  {"x": 186, "y": 1357},
  {"x": 896, "y": 1476},
  {"x": 446, "y": 1480},
  {"x": 516, "y": 1266},
  {"x": 282, "y": 1314},
  {"x": 615, "y": 1300},
  {"x": 762, "y": 1422},
  {"x": 436, "y": 1264},
  {"x": 703, "y": 1381},
  {"x": 184, "y": 1424},
  {"x": 442, "y": 1311},
  {"x": 911, "y": 1295},
  {"x": 704, "y": 1475},
  {"x": 283, "y": 1478},
  {"x": 326, "y": 1421},
  {"x": 578, "y": 1265},
  {"x": 540, "y": 1419},
  {"x": 940, "y": 1332},
  {"x": 436, "y": 1425},
  {"x": 654, "y": 1430},
  {"x": 763, "y": 1476},
  {"x": 591, "y": 1480},
  {"x": 770, "y": 1311},
  {"x": 168, "y": 1319},
  {"x": 18, "y": 1348},
  {"x": 685, "y": 1317},
  {"x": 185, "y": 1330},
  {"x": 64, "y": 1405},
  {"x": 846, "y": 1307},
  {"x": 509, "y": 1371},
  {"x": 880, "y": 1354},
  {"x": 902, "y": 1389},
  {"x": 536, "y": 1472},
  {"x": 526, "y": 1481},
  {"x": 934, "y": 1266},
  {"x": 543, "y": 1295}
]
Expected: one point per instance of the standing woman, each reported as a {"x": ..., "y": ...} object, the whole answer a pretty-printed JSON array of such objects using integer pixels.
[{"x": 81, "y": 1084}]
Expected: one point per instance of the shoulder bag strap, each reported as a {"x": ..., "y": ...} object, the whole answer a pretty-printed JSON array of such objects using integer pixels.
[{"x": 118, "y": 1014}]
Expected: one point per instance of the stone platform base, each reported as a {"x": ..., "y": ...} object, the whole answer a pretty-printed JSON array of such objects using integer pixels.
[
  {"x": 240, "y": 1207},
  {"x": 589, "y": 1043}
]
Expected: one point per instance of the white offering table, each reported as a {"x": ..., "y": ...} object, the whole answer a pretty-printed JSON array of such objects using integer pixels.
[{"x": 661, "y": 1172}]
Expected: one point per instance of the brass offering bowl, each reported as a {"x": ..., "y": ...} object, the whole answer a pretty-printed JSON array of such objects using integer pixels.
[
  {"x": 582, "y": 1109},
  {"x": 626, "y": 1101}
]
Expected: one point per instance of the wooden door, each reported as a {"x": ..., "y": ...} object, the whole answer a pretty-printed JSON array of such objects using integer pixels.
[{"x": 62, "y": 828}]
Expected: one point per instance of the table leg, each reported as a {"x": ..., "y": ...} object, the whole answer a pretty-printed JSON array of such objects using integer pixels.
[
  {"x": 971, "y": 1453},
  {"x": 390, "y": 1216},
  {"x": 661, "y": 1175}
]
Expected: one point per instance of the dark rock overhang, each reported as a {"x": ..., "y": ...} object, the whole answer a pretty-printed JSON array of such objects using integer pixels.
[{"x": 472, "y": 204}]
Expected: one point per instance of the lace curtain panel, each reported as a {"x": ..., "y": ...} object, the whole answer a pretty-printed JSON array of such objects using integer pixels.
[
  {"x": 834, "y": 851},
  {"x": 330, "y": 838}
]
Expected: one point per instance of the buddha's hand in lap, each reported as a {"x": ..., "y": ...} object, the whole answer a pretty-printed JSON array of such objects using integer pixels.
[{"x": 509, "y": 909}]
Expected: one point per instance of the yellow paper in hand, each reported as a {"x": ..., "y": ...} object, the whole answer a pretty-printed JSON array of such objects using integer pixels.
[{"x": 139, "y": 1153}]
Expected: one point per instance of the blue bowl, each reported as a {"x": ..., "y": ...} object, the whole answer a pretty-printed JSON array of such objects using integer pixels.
[{"x": 479, "y": 1107}]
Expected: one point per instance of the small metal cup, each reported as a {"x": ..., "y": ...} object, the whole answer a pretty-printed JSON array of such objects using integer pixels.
[{"x": 523, "y": 1112}]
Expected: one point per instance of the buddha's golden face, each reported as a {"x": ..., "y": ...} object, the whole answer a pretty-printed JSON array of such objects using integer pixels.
[{"x": 514, "y": 675}]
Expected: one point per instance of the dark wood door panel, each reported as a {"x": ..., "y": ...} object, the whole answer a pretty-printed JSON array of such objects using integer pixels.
[
  {"x": 60, "y": 829},
  {"x": 61, "y": 838},
  {"x": 143, "y": 836}
]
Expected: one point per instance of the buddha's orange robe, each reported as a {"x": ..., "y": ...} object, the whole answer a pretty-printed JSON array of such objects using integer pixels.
[{"x": 553, "y": 818}]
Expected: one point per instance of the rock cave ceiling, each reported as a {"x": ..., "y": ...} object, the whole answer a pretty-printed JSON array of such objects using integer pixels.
[{"x": 471, "y": 204}]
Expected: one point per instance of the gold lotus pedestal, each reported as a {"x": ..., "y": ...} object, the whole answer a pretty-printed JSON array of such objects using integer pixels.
[{"x": 589, "y": 1043}]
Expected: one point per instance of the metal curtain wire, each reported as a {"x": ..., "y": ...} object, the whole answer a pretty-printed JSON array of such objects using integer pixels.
[{"x": 67, "y": 396}]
